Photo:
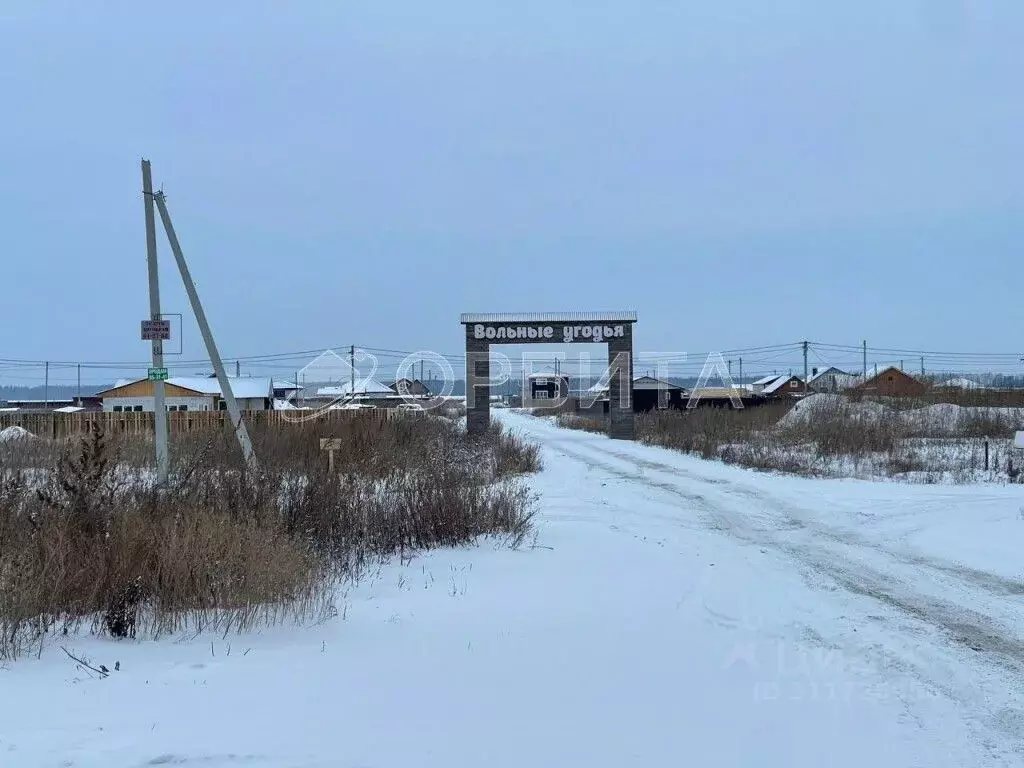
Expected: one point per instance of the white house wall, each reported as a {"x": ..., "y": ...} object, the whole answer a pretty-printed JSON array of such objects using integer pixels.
[
  {"x": 197, "y": 403},
  {"x": 252, "y": 403}
]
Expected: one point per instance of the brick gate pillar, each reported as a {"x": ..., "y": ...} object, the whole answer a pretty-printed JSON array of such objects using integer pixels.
[
  {"x": 620, "y": 387},
  {"x": 478, "y": 383}
]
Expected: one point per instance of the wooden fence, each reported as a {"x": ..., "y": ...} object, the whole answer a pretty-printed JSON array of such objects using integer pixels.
[{"x": 62, "y": 425}]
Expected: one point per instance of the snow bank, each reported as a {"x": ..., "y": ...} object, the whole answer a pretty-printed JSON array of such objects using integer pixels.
[
  {"x": 938, "y": 418},
  {"x": 14, "y": 433},
  {"x": 819, "y": 405}
]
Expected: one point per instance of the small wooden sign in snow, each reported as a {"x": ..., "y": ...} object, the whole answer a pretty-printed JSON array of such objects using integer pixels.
[
  {"x": 330, "y": 444},
  {"x": 1018, "y": 440}
]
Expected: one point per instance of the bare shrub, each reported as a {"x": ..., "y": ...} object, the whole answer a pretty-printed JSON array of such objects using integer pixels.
[
  {"x": 585, "y": 423},
  {"x": 566, "y": 406},
  {"x": 512, "y": 454},
  {"x": 89, "y": 541},
  {"x": 838, "y": 435},
  {"x": 449, "y": 409},
  {"x": 905, "y": 460},
  {"x": 705, "y": 430}
]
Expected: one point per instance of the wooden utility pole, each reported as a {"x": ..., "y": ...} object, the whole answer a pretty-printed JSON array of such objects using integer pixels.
[
  {"x": 163, "y": 456},
  {"x": 352, "y": 370},
  {"x": 922, "y": 365},
  {"x": 741, "y": 370},
  {"x": 46, "y": 385},
  {"x": 79, "y": 384},
  {"x": 865, "y": 360},
  {"x": 238, "y": 369},
  {"x": 234, "y": 412}
]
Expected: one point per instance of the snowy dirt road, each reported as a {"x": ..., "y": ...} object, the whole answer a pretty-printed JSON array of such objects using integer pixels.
[
  {"x": 929, "y": 577},
  {"x": 671, "y": 612}
]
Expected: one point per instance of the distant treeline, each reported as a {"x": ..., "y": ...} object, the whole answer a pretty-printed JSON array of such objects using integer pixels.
[{"x": 55, "y": 391}]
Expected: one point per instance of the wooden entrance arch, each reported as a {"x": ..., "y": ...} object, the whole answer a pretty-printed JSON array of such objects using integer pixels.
[{"x": 612, "y": 328}]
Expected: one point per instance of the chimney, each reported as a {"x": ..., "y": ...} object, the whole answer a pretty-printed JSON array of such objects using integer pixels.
[{"x": 814, "y": 371}]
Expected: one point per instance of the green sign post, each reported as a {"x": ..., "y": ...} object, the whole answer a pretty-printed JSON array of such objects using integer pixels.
[{"x": 158, "y": 374}]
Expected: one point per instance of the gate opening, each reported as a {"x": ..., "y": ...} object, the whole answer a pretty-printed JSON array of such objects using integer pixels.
[{"x": 612, "y": 328}]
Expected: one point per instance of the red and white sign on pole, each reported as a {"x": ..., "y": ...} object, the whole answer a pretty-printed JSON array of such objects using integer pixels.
[{"x": 156, "y": 330}]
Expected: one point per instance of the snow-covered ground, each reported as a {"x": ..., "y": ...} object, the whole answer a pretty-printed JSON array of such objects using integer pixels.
[
  {"x": 934, "y": 420},
  {"x": 671, "y": 612},
  {"x": 13, "y": 433},
  {"x": 926, "y": 460}
]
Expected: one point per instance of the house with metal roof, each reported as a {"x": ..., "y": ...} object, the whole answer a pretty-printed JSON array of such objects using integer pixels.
[
  {"x": 832, "y": 379},
  {"x": 892, "y": 382},
  {"x": 410, "y": 388},
  {"x": 189, "y": 393},
  {"x": 786, "y": 385}
]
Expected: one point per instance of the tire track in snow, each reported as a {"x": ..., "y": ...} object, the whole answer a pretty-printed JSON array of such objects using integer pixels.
[
  {"x": 964, "y": 631},
  {"x": 959, "y": 621}
]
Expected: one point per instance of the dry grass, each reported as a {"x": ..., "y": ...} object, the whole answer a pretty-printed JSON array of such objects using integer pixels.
[
  {"x": 598, "y": 424},
  {"x": 842, "y": 437},
  {"x": 566, "y": 407},
  {"x": 705, "y": 430},
  {"x": 86, "y": 541}
]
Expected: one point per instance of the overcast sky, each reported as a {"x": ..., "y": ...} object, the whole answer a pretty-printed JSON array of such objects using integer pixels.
[{"x": 740, "y": 173}]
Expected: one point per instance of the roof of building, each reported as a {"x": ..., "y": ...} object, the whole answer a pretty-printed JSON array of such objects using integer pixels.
[
  {"x": 644, "y": 382},
  {"x": 780, "y": 382},
  {"x": 548, "y": 375},
  {"x": 625, "y": 316},
  {"x": 714, "y": 393},
  {"x": 649, "y": 382},
  {"x": 241, "y": 387},
  {"x": 880, "y": 369},
  {"x": 41, "y": 401},
  {"x": 831, "y": 370},
  {"x": 366, "y": 386},
  {"x": 766, "y": 380},
  {"x": 873, "y": 377}
]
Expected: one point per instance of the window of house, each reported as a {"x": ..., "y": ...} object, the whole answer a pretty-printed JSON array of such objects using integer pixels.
[
  {"x": 793, "y": 384},
  {"x": 138, "y": 408},
  {"x": 117, "y": 409},
  {"x": 172, "y": 407},
  {"x": 890, "y": 378},
  {"x": 182, "y": 407},
  {"x": 223, "y": 406},
  {"x": 541, "y": 394}
]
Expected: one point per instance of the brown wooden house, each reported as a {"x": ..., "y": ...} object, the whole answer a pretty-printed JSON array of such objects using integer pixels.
[
  {"x": 410, "y": 387},
  {"x": 784, "y": 386},
  {"x": 892, "y": 382}
]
